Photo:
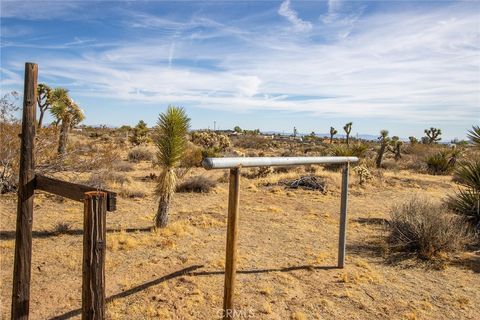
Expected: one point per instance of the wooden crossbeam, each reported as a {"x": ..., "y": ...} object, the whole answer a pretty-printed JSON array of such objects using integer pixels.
[{"x": 71, "y": 190}]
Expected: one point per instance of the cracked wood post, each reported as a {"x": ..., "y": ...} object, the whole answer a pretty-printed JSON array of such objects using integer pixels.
[
  {"x": 26, "y": 189},
  {"x": 343, "y": 217},
  {"x": 94, "y": 237},
  {"x": 231, "y": 252}
]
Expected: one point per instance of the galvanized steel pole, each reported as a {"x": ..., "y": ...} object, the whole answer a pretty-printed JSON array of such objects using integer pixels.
[{"x": 343, "y": 218}]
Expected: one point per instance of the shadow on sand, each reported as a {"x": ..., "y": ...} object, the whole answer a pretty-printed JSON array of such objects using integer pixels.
[{"x": 191, "y": 272}]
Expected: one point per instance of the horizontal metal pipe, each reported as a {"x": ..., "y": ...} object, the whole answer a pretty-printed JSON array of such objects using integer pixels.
[{"x": 227, "y": 163}]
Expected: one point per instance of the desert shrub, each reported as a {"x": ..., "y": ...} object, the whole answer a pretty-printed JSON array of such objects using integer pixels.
[
  {"x": 363, "y": 174},
  {"x": 140, "y": 134},
  {"x": 343, "y": 150},
  {"x": 200, "y": 184},
  {"x": 466, "y": 201},
  {"x": 213, "y": 143},
  {"x": 102, "y": 178},
  {"x": 252, "y": 142},
  {"x": 440, "y": 163},
  {"x": 123, "y": 166},
  {"x": 425, "y": 229},
  {"x": 62, "y": 228},
  {"x": 260, "y": 172},
  {"x": 138, "y": 154}
]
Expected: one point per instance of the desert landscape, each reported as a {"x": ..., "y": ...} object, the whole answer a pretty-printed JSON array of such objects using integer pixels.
[
  {"x": 288, "y": 237},
  {"x": 237, "y": 159}
]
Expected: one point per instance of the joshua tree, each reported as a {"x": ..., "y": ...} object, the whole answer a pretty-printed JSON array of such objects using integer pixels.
[
  {"x": 67, "y": 113},
  {"x": 384, "y": 141},
  {"x": 332, "y": 133},
  {"x": 474, "y": 136},
  {"x": 44, "y": 100},
  {"x": 171, "y": 141},
  {"x": 295, "y": 132},
  {"x": 348, "y": 129},
  {"x": 432, "y": 135},
  {"x": 395, "y": 147},
  {"x": 413, "y": 140}
]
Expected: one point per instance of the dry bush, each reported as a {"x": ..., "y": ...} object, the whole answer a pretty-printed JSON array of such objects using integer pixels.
[
  {"x": 138, "y": 154},
  {"x": 252, "y": 142},
  {"x": 123, "y": 166},
  {"x": 62, "y": 228},
  {"x": 425, "y": 229},
  {"x": 200, "y": 184}
]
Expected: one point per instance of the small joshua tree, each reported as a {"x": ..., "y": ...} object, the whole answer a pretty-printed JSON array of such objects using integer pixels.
[
  {"x": 395, "y": 147},
  {"x": 44, "y": 100},
  {"x": 171, "y": 141},
  {"x": 332, "y": 133},
  {"x": 432, "y": 135},
  {"x": 384, "y": 141},
  {"x": 295, "y": 132},
  {"x": 413, "y": 140},
  {"x": 348, "y": 128},
  {"x": 67, "y": 113}
]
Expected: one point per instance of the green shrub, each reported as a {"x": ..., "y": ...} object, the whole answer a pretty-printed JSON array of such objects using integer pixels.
[{"x": 425, "y": 229}]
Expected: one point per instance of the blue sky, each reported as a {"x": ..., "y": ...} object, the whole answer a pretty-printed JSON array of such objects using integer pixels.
[{"x": 273, "y": 65}]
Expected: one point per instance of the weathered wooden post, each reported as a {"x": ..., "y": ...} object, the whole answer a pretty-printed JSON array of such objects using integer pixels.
[
  {"x": 343, "y": 217},
  {"x": 231, "y": 255},
  {"x": 94, "y": 241},
  {"x": 26, "y": 189}
]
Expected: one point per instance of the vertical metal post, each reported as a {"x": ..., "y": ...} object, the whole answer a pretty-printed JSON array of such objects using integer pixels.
[
  {"x": 343, "y": 217},
  {"x": 231, "y": 252},
  {"x": 94, "y": 237},
  {"x": 26, "y": 189}
]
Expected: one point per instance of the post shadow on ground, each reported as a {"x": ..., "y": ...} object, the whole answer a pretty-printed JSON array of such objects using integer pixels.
[
  {"x": 191, "y": 272},
  {"x": 42, "y": 234}
]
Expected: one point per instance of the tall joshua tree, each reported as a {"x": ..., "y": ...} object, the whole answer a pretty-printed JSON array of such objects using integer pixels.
[
  {"x": 348, "y": 128},
  {"x": 432, "y": 135},
  {"x": 384, "y": 141},
  {"x": 44, "y": 100},
  {"x": 171, "y": 141},
  {"x": 67, "y": 113},
  {"x": 333, "y": 132}
]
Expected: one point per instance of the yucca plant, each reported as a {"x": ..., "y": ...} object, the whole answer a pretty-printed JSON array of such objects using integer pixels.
[
  {"x": 440, "y": 163},
  {"x": 474, "y": 136},
  {"x": 171, "y": 142},
  {"x": 466, "y": 201}
]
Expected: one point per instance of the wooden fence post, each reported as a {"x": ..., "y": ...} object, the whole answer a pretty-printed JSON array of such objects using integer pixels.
[
  {"x": 231, "y": 252},
  {"x": 26, "y": 189},
  {"x": 94, "y": 237},
  {"x": 343, "y": 217}
]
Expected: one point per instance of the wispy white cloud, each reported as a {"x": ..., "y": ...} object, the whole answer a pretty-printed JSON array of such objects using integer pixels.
[
  {"x": 292, "y": 16},
  {"x": 407, "y": 66}
]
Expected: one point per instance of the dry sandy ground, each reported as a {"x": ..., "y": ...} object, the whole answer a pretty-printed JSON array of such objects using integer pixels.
[{"x": 287, "y": 256}]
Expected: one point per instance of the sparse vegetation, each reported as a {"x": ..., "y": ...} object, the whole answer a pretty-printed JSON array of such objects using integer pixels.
[
  {"x": 199, "y": 184},
  {"x": 425, "y": 229},
  {"x": 138, "y": 154}
]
